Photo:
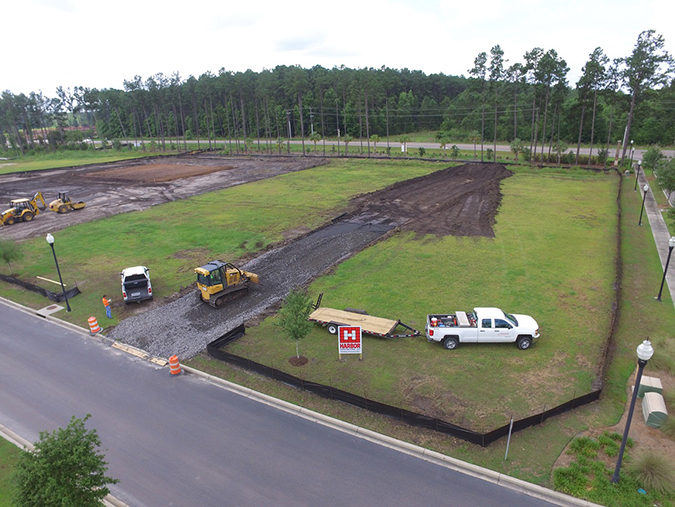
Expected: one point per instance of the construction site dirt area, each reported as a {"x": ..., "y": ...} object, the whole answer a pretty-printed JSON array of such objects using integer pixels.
[
  {"x": 460, "y": 201},
  {"x": 134, "y": 185},
  {"x": 457, "y": 201}
]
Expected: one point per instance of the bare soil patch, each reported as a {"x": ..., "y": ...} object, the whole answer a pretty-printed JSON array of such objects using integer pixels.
[
  {"x": 457, "y": 201},
  {"x": 152, "y": 173},
  {"x": 134, "y": 185}
]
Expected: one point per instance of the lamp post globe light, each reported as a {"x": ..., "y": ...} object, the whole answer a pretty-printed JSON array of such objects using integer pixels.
[
  {"x": 644, "y": 198},
  {"x": 645, "y": 352},
  {"x": 50, "y": 240},
  {"x": 671, "y": 245},
  {"x": 637, "y": 174}
]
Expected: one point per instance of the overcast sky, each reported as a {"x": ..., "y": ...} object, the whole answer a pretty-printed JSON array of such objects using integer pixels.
[{"x": 50, "y": 43}]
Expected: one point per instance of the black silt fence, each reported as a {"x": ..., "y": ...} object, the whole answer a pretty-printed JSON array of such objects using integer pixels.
[
  {"x": 214, "y": 349},
  {"x": 53, "y": 296}
]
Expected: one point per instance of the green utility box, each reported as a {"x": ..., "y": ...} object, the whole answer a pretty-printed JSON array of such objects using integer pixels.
[
  {"x": 649, "y": 385},
  {"x": 654, "y": 410}
]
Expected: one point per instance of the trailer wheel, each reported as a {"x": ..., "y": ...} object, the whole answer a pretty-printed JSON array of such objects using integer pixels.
[
  {"x": 451, "y": 343},
  {"x": 524, "y": 342},
  {"x": 332, "y": 328}
]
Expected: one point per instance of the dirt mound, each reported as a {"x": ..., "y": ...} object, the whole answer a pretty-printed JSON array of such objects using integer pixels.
[{"x": 458, "y": 201}]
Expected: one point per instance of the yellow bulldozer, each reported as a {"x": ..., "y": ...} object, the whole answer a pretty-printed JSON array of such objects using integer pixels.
[
  {"x": 219, "y": 282},
  {"x": 23, "y": 210},
  {"x": 64, "y": 204}
]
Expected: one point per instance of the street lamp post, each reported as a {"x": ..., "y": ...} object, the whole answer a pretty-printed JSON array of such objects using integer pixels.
[
  {"x": 644, "y": 198},
  {"x": 644, "y": 353},
  {"x": 50, "y": 240},
  {"x": 671, "y": 245},
  {"x": 637, "y": 174}
]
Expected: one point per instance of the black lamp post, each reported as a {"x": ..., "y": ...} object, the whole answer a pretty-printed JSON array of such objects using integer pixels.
[
  {"x": 637, "y": 174},
  {"x": 644, "y": 353},
  {"x": 671, "y": 245},
  {"x": 644, "y": 198},
  {"x": 50, "y": 240}
]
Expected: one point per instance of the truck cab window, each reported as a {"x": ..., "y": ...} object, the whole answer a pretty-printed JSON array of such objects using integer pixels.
[
  {"x": 502, "y": 324},
  {"x": 486, "y": 323}
]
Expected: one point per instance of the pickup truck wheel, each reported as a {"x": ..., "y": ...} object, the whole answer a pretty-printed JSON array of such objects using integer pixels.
[
  {"x": 332, "y": 328},
  {"x": 524, "y": 342},
  {"x": 451, "y": 343}
]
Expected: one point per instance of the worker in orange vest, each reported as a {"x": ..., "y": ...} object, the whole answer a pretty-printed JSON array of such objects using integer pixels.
[{"x": 106, "y": 303}]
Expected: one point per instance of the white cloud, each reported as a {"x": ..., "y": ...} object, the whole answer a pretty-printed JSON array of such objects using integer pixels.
[{"x": 76, "y": 42}]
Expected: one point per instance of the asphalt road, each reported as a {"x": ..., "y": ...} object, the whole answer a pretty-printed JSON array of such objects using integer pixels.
[{"x": 183, "y": 441}]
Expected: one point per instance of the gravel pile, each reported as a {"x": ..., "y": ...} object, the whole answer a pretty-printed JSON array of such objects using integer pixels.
[{"x": 184, "y": 327}]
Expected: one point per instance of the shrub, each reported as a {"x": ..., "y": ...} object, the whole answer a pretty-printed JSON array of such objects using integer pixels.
[
  {"x": 664, "y": 355},
  {"x": 652, "y": 471},
  {"x": 584, "y": 446},
  {"x": 422, "y": 151},
  {"x": 570, "y": 480},
  {"x": 670, "y": 400},
  {"x": 603, "y": 155},
  {"x": 668, "y": 427},
  {"x": 610, "y": 444}
]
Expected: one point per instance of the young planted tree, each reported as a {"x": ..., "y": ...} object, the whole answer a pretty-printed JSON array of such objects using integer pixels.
[
  {"x": 10, "y": 251},
  {"x": 666, "y": 176},
  {"x": 517, "y": 147},
  {"x": 651, "y": 158},
  {"x": 292, "y": 318},
  {"x": 64, "y": 469}
]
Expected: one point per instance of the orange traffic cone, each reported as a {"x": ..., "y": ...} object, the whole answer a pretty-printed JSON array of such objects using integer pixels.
[
  {"x": 174, "y": 365},
  {"x": 93, "y": 326}
]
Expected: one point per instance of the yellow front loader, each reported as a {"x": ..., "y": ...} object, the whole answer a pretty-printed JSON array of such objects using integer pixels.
[
  {"x": 219, "y": 282},
  {"x": 23, "y": 210}
]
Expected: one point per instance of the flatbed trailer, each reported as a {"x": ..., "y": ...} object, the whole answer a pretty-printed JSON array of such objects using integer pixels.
[{"x": 376, "y": 326}]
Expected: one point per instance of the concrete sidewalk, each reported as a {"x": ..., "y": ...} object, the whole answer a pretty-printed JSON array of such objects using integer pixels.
[{"x": 661, "y": 235}]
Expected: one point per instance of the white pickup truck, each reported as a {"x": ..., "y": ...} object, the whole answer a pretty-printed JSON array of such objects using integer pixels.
[
  {"x": 483, "y": 325},
  {"x": 136, "y": 284}
]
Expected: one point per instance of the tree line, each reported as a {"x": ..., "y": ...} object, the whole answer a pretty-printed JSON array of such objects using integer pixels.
[{"x": 529, "y": 104}]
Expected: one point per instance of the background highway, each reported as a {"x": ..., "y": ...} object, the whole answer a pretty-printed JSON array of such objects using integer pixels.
[{"x": 183, "y": 441}]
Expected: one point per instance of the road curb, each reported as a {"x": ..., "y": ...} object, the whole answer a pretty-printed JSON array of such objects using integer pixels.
[{"x": 449, "y": 462}]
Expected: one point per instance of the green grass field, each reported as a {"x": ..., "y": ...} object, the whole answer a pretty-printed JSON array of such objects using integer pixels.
[
  {"x": 67, "y": 159},
  {"x": 561, "y": 275},
  {"x": 9, "y": 456}
]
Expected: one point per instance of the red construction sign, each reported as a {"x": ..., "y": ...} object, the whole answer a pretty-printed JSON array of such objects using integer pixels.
[{"x": 349, "y": 340}]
